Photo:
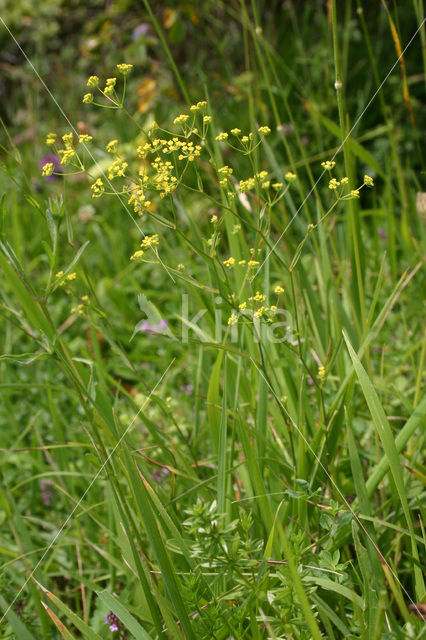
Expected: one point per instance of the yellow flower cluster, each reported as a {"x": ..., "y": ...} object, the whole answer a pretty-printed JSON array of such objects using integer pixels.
[
  {"x": 163, "y": 179},
  {"x": 93, "y": 82},
  {"x": 229, "y": 262},
  {"x": 109, "y": 88},
  {"x": 258, "y": 297},
  {"x": 188, "y": 151},
  {"x": 117, "y": 169},
  {"x": 328, "y": 165},
  {"x": 97, "y": 188},
  {"x": 112, "y": 146},
  {"x": 368, "y": 181},
  {"x": 47, "y": 169},
  {"x": 68, "y": 278},
  {"x": 150, "y": 241},
  {"x": 84, "y": 301},
  {"x": 68, "y": 153},
  {"x": 51, "y": 139},
  {"x": 279, "y": 289},
  {"x": 199, "y": 106},
  {"x": 137, "y": 254},
  {"x": 85, "y": 139},
  {"x": 181, "y": 119},
  {"x": 139, "y": 201},
  {"x": 124, "y": 68}
]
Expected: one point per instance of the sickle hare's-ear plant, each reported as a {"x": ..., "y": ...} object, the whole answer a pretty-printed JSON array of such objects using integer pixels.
[{"x": 235, "y": 474}]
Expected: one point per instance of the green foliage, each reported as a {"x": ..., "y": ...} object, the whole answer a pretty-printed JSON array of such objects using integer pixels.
[{"x": 211, "y": 311}]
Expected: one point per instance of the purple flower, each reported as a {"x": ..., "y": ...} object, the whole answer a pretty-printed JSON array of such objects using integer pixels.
[
  {"x": 46, "y": 494},
  {"x": 153, "y": 328},
  {"x": 382, "y": 233},
  {"x": 140, "y": 31},
  {"x": 115, "y": 624},
  {"x": 187, "y": 389},
  {"x": 57, "y": 167},
  {"x": 160, "y": 474}
]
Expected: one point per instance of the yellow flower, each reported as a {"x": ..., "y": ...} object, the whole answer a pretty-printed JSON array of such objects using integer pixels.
[
  {"x": 71, "y": 276},
  {"x": 333, "y": 184},
  {"x": 124, "y": 68},
  {"x": 85, "y": 139},
  {"x": 242, "y": 306},
  {"x": 321, "y": 372},
  {"x": 264, "y": 130},
  {"x": 88, "y": 98},
  {"x": 150, "y": 241},
  {"x": 355, "y": 193},
  {"x": 201, "y": 104},
  {"x": 112, "y": 146},
  {"x": 328, "y": 165},
  {"x": 97, "y": 188},
  {"x": 137, "y": 254},
  {"x": 181, "y": 119},
  {"x": 259, "y": 297},
  {"x": 222, "y": 136},
  {"x": 225, "y": 171},
  {"x": 233, "y": 319},
  {"x": 47, "y": 169},
  {"x": 117, "y": 169},
  {"x": 93, "y": 81},
  {"x": 252, "y": 263},
  {"x": 59, "y": 274},
  {"x": 51, "y": 138},
  {"x": 290, "y": 176},
  {"x": 368, "y": 180},
  {"x": 207, "y": 119},
  {"x": 344, "y": 180},
  {"x": 279, "y": 289},
  {"x": 277, "y": 185},
  {"x": 236, "y": 131},
  {"x": 109, "y": 86},
  {"x": 229, "y": 262},
  {"x": 66, "y": 155}
]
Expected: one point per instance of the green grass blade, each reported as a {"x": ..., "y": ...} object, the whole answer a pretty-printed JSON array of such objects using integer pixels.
[{"x": 386, "y": 437}]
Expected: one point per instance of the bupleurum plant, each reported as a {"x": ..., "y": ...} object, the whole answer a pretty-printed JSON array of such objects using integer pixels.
[{"x": 149, "y": 175}]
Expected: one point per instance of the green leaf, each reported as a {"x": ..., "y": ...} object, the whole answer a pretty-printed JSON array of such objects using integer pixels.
[
  {"x": 386, "y": 437},
  {"x": 18, "y": 627},
  {"x": 87, "y": 632}
]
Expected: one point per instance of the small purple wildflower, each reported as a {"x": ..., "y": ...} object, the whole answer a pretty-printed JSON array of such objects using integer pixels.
[
  {"x": 115, "y": 624},
  {"x": 187, "y": 389},
  {"x": 46, "y": 494},
  {"x": 160, "y": 474},
  {"x": 140, "y": 31},
  {"x": 382, "y": 233},
  {"x": 57, "y": 167},
  {"x": 153, "y": 328}
]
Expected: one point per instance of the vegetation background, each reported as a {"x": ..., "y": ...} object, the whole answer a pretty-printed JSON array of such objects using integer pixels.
[{"x": 228, "y": 485}]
